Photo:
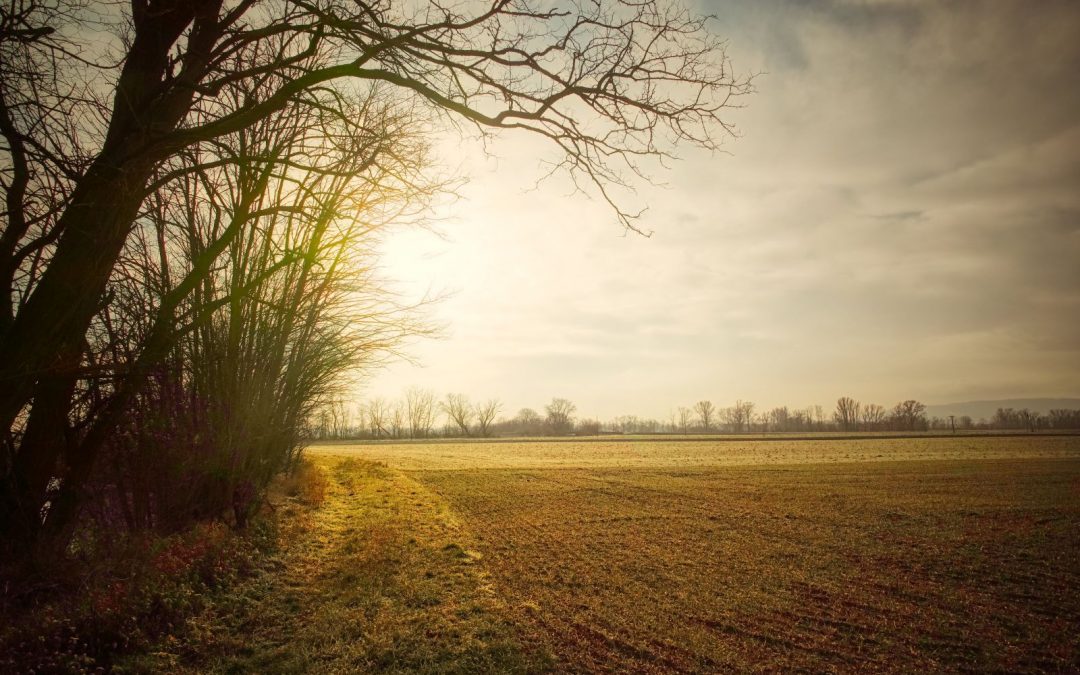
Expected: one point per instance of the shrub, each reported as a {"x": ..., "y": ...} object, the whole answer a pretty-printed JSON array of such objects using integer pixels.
[
  {"x": 306, "y": 483},
  {"x": 119, "y": 596}
]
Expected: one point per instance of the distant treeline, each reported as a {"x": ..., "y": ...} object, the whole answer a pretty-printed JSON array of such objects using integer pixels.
[{"x": 420, "y": 413}]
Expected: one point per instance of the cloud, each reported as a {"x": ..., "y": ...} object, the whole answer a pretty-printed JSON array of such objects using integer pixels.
[{"x": 899, "y": 218}]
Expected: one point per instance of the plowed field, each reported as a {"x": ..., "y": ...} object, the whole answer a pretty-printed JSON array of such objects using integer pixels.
[{"x": 618, "y": 560}]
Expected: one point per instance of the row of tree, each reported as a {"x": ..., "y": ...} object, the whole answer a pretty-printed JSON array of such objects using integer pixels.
[
  {"x": 1024, "y": 418},
  {"x": 421, "y": 414},
  {"x": 416, "y": 415}
]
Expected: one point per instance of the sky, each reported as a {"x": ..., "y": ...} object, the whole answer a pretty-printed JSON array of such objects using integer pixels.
[{"x": 898, "y": 218}]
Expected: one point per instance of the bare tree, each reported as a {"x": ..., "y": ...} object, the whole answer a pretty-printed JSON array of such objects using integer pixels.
[
  {"x": 873, "y": 416},
  {"x": 377, "y": 413},
  {"x": 420, "y": 411},
  {"x": 589, "y": 427},
  {"x": 1029, "y": 419},
  {"x": 1060, "y": 418},
  {"x": 685, "y": 417},
  {"x": 527, "y": 422},
  {"x": 336, "y": 419},
  {"x": 240, "y": 287},
  {"x": 739, "y": 415},
  {"x": 607, "y": 84},
  {"x": 485, "y": 415},
  {"x": 847, "y": 413},
  {"x": 910, "y": 415},
  {"x": 1006, "y": 418},
  {"x": 705, "y": 411},
  {"x": 560, "y": 416},
  {"x": 805, "y": 418},
  {"x": 459, "y": 411},
  {"x": 780, "y": 418},
  {"x": 398, "y": 419}
]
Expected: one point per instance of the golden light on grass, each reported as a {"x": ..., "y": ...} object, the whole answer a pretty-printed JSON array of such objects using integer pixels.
[
  {"x": 756, "y": 559},
  {"x": 689, "y": 412}
]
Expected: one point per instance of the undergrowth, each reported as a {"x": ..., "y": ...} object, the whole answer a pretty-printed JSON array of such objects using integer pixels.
[{"x": 111, "y": 597}]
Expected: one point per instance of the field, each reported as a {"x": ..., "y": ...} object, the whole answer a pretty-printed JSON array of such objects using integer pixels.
[
  {"x": 689, "y": 452},
  {"x": 831, "y": 555}
]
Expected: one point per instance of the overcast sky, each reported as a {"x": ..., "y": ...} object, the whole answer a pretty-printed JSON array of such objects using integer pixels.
[{"x": 899, "y": 218}]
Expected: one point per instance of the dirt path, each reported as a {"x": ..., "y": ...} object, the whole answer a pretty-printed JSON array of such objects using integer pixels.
[{"x": 380, "y": 578}]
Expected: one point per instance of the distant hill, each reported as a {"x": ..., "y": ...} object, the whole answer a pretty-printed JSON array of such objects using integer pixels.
[{"x": 985, "y": 409}]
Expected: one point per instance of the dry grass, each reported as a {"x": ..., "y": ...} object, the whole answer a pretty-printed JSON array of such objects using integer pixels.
[
  {"x": 379, "y": 578},
  {"x": 823, "y": 556},
  {"x": 889, "y": 566},
  {"x": 307, "y": 484},
  {"x": 687, "y": 453}
]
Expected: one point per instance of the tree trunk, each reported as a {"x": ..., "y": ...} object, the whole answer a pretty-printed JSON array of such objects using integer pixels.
[
  {"x": 46, "y": 339},
  {"x": 36, "y": 463},
  {"x": 51, "y": 327}
]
